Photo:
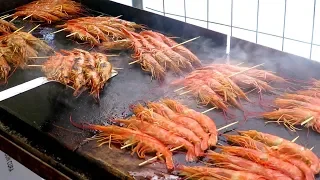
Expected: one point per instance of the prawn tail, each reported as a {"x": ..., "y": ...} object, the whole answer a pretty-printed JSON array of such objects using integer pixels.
[
  {"x": 212, "y": 140},
  {"x": 197, "y": 149},
  {"x": 191, "y": 156},
  {"x": 204, "y": 143}
]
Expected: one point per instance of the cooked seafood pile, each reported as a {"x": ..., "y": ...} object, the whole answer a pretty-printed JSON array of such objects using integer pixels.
[
  {"x": 17, "y": 48},
  {"x": 222, "y": 84},
  {"x": 79, "y": 69},
  {"x": 6, "y": 27},
  {"x": 299, "y": 109},
  {"x": 156, "y": 53},
  {"x": 49, "y": 10},
  {"x": 256, "y": 155},
  {"x": 162, "y": 125},
  {"x": 97, "y": 30}
]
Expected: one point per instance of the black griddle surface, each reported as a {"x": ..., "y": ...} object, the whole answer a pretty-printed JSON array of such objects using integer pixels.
[{"x": 49, "y": 107}]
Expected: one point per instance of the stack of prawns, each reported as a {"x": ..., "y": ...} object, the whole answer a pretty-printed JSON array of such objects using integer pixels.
[
  {"x": 223, "y": 84},
  {"x": 6, "y": 27},
  {"x": 101, "y": 31},
  {"x": 49, "y": 10},
  {"x": 156, "y": 53},
  {"x": 159, "y": 126},
  {"x": 153, "y": 51},
  {"x": 300, "y": 108},
  {"x": 16, "y": 48},
  {"x": 257, "y": 155},
  {"x": 79, "y": 69}
]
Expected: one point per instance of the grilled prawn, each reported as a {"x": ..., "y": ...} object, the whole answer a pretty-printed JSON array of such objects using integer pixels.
[
  {"x": 286, "y": 147},
  {"x": 198, "y": 172},
  {"x": 145, "y": 143},
  {"x": 183, "y": 120},
  {"x": 162, "y": 135},
  {"x": 247, "y": 142},
  {"x": 49, "y": 11},
  {"x": 206, "y": 123},
  {"x": 155, "y": 118},
  {"x": 265, "y": 159},
  {"x": 6, "y": 27},
  {"x": 241, "y": 164}
]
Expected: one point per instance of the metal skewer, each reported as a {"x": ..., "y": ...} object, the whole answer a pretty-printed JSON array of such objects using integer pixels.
[
  {"x": 180, "y": 89},
  {"x": 203, "y": 112},
  {"x": 33, "y": 29},
  {"x": 71, "y": 34},
  {"x": 18, "y": 29},
  {"x": 185, "y": 92},
  {"x": 293, "y": 140},
  {"x": 6, "y": 16},
  {"x": 13, "y": 19},
  {"x": 58, "y": 31},
  {"x": 134, "y": 62},
  {"x": 185, "y": 42},
  {"x": 27, "y": 17},
  {"x": 245, "y": 70},
  {"x": 307, "y": 120}
]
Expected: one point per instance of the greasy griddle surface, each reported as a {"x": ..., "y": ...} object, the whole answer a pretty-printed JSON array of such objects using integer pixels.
[{"x": 129, "y": 87}]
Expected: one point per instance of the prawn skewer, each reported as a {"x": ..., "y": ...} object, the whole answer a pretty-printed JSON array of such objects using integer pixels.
[
  {"x": 198, "y": 172},
  {"x": 240, "y": 164},
  {"x": 145, "y": 142},
  {"x": 161, "y": 134},
  {"x": 248, "y": 142},
  {"x": 184, "y": 121},
  {"x": 286, "y": 147},
  {"x": 147, "y": 62},
  {"x": 264, "y": 159},
  {"x": 155, "y": 118},
  {"x": 207, "y": 124}
]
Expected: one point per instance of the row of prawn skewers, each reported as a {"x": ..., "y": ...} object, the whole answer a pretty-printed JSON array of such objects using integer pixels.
[
  {"x": 163, "y": 124},
  {"x": 154, "y": 51},
  {"x": 301, "y": 108},
  {"x": 222, "y": 84},
  {"x": 256, "y": 155}
]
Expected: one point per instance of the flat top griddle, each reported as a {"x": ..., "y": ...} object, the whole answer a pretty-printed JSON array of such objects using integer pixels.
[{"x": 48, "y": 107}]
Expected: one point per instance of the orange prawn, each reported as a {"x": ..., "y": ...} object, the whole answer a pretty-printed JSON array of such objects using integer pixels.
[
  {"x": 247, "y": 142},
  {"x": 206, "y": 94},
  {"x": 264, "y": 159},
  {"x": 310, "y": 92},
  {"x": 181, "y": 50},
  {"x": 155, "y": 118},
  {"x": 206, "y": 123},
  {"x": 286, "y": 147},
  {"x": 161, "y": 134},
  {"x": 240, "y": 164},
  {"x": 294, "y": 117},
  {"x": 290, "y": 103},
  {"x": 175, "y": 57},
  {"x": 303, "y": 98},
  {"x": 198, "y": 172},
  {"x": 145, "y": 142},
  {"x": 184, "y": 121},
  {"x": 162, "y": 59},
  {"x": 147, "y": 62},
  {"x": 4, "y": 69}
]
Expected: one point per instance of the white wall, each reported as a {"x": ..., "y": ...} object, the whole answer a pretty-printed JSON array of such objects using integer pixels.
[{"x": 280, "y": 24}]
